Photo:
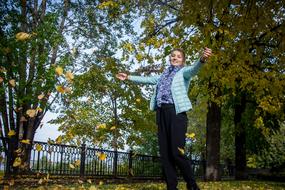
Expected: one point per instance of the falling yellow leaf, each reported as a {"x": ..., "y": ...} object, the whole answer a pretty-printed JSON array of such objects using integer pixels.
[
  {"x": 58, "y": 140},
  {"x": 31, "y": 112},
  {"x": 39, "y": 147},
  {"x": 138, "y": 100},
  {"x": 39, "y": 109},
  {"x": 113, "y": 128},
  {"x": 101, "y": 183},
  {"x": 69, "y": 76},
  {"x": 23, "y": 119},
  {"x": 181, "y": 150},
  {"x": 102, "y": 156},
  {"x": 77, "y": 163},
  {"x": 60, "y": 89},
  {"x": 1, "y": 79},
  {"x": 101, "y": 126},
  {"x": 18, "y": 151},
  {"x": 11, "y": 133},
  {"x": 22, "y": 36},
  {"x": 17, "y": 162},
  {"x": 131, "y": 172},
  {"x": 41, "y": 96},
  {"x": 59, "y": 70},
  {"x": 71, "y": 166},
  {"x": 12, "y": 82},
  {"x": 80, "y": 181},
  {"x": 26, "y": 141},
  {"x": 89, "y": 181},
  {"x": 40, "y": 181},
  {"x": 67, "y": 90},
  {"x": 190, "y": 135}
]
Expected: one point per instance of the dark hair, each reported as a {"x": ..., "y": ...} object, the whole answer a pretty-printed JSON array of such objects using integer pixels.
[{"x": 181, "y": 51}]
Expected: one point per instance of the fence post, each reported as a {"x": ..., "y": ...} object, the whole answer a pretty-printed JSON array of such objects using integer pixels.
[
  {"x": 115, "y": 163},
  {"x": 82, "y": 160},
  {"x": 130, "y": 163}
]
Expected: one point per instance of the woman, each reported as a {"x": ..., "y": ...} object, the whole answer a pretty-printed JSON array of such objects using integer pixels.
[{"x": 170, "y": 100}]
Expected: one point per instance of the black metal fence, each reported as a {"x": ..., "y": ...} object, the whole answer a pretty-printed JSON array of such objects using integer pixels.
[{"x": 58, "y": 159}]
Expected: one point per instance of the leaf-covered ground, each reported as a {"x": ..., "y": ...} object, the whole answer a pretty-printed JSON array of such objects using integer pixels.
[{"x": 225, "y": 185}]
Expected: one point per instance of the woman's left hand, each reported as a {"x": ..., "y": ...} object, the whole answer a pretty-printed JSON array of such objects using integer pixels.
[{"x": 206, "y": 54}]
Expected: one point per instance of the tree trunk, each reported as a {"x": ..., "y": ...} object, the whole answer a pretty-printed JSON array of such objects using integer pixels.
[
  {"x": 213, "y": 142},
  {"x": 240, "y": 149}
]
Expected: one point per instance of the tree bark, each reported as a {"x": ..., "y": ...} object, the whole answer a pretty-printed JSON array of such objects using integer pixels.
[
  {"x": 213, "y": 142},
  {"x": 240, "y": 138}
]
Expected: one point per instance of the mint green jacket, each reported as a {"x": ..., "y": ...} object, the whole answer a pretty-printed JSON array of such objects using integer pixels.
[{"x": 179, "y": 86}]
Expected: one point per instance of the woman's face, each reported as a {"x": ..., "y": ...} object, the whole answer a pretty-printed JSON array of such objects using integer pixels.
[{"x": 176, "y": 58}]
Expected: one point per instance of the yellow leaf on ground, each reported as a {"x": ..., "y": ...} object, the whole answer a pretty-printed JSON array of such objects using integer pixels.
[
  {"x": 26, "y": 141},
  {"x": 181, "y": 150},
  {"x": 17, "y": 162},
  {"x": 11, "y": 133},
  {"x": 12, "y": 82},
  {"x": 92, "y": 188},
  {"x": 31, "y": 112},
  {"x": 138, "y": 100},
  {"x": 39, "y": 147},
  {"x": 59, "y": 70}
]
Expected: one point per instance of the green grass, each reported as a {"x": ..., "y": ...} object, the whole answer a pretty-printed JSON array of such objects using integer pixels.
[{"x": 224, "y": 185}]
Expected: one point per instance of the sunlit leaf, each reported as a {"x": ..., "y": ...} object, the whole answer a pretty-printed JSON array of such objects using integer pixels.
[
  {"x": 181, "y": 150},
  {"x": 26, "y": 141},
  {"x": 101, "y": 156},
  {"x": 58, "y": 140},
  {"x": 69, "y": 76},
  {"x": 39, "y": 147},
  {"x": 41, "y": 96},
  {"x": 113, "y": 128},
  {"x": 59, "y": 70},
  {"x": 77, "y": 163},
  {"x": 31, "y": 112},
  {"x": 71, "y": 166},
  {"x": 60, "y": 89},
  {"x": 11, "y": 133},
  {"x": 22, "y": 36},
  {"x": 12, "y": 82},
  {"x": 17, "y": 162},
  {"x": 190, "y": 135}
]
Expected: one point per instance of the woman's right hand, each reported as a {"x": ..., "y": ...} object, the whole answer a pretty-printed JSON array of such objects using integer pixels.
[{"x": 122, "y": 76}]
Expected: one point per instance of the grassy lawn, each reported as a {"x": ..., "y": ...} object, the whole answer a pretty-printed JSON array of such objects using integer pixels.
[{"x": 224, "y": 185}]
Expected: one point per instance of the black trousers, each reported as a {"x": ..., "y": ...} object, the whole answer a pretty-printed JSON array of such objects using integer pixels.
[{"x": 171, "y": 136}]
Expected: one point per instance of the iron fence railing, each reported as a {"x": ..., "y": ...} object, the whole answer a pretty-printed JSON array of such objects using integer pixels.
[{"x": 59, "y": 159}]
